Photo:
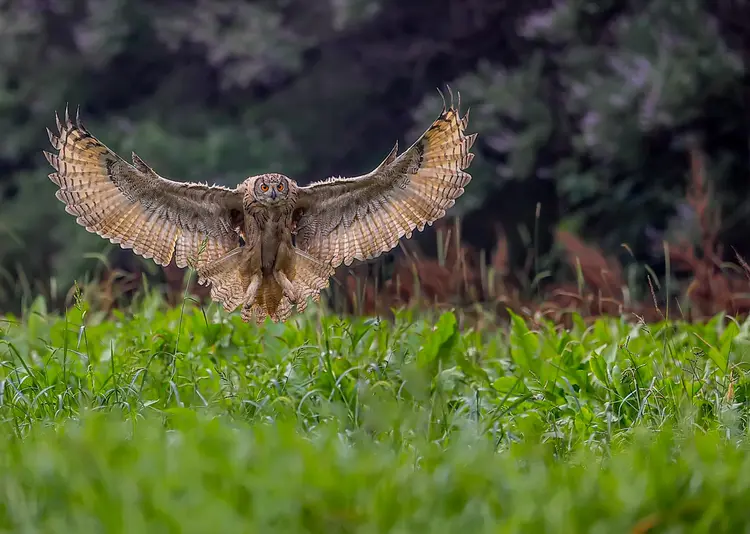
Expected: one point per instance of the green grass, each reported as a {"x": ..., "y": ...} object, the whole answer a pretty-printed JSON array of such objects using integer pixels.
[{"x": 188, "y": 420}]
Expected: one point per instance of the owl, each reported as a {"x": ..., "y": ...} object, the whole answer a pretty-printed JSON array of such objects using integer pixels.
[{"x": 268, "y": 245}]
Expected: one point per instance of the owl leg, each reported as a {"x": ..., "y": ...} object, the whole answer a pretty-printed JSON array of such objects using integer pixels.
[
  {"x": 286, "y": 286},
  {"x": 252, "y": 290}
]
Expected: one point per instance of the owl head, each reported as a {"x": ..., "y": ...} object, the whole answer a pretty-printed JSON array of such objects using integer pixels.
[{"x": 270, "y": 189}]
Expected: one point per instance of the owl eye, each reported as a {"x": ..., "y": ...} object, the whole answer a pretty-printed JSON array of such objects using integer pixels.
[
  {"x": 264, "y": 187},
  {"x": 280, "y": 187}
]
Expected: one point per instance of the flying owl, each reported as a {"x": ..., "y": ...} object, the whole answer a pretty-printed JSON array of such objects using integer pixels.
[{"x": 267, "y": 245}]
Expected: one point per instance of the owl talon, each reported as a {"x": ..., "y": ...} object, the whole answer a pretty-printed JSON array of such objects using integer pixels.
[
  {"x": 287, "y": 287},
  {"x": 252, "y": 291}
]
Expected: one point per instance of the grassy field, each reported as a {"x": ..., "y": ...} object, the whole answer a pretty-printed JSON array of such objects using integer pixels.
[{"x": 188, "y": 420}]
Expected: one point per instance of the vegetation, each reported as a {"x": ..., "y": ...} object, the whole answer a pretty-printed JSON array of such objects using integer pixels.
[{"x": 157, "y": 418}]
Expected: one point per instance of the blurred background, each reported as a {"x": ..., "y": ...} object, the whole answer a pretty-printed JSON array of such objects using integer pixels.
[{"x": 606, "y": 129}]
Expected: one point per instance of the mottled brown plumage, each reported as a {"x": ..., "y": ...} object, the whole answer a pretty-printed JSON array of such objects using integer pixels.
[{"x": 294, "y": 237}]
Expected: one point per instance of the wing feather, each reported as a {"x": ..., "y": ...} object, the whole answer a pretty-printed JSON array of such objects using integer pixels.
[
  {"x": 132, "y": 206},
  {"x": 342, "y": 219}
]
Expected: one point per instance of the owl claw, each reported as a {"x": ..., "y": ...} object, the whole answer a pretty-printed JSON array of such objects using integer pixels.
[
  {"x": 252, "y": 291},
  {"x": 287, "y": 287}
]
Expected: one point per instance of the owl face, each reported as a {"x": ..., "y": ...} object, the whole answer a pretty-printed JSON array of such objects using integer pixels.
[{"x": 271, "y": 189}]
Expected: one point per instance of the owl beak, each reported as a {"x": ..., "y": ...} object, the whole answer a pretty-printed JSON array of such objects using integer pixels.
[{"x": 273, "y": 194}]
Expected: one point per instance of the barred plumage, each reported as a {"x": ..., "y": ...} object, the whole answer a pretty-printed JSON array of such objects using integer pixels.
[{"x": 360, "y": 218}]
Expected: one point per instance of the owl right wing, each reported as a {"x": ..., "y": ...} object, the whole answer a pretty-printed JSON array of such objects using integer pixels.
[
  {"x": 136, "y": 208},
  {"x": 342, "y": 219}
]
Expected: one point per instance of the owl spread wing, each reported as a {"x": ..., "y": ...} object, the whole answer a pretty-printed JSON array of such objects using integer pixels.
[
  {"x": 133, "y": 206},
  {"x": 343, "y": 219}
]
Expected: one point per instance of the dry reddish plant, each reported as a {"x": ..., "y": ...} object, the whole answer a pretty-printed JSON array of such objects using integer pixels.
[{"x": 713, "y": 289}]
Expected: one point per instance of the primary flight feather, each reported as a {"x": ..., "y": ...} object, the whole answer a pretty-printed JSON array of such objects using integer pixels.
[{"x": 267, "y": 245}]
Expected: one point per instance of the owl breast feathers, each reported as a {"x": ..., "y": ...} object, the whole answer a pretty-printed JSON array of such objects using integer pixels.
[{"x": 334, "y": 221}]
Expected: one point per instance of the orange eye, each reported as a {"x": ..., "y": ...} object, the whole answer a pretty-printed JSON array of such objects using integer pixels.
[
  {"x": 264, "y": 187},
  {"x": 280, "y": 187}
]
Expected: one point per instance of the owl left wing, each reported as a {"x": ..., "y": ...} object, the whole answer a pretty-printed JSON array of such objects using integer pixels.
[
  {"x": 342, "y": 219},
  {"x": 133, "y": 206}
]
